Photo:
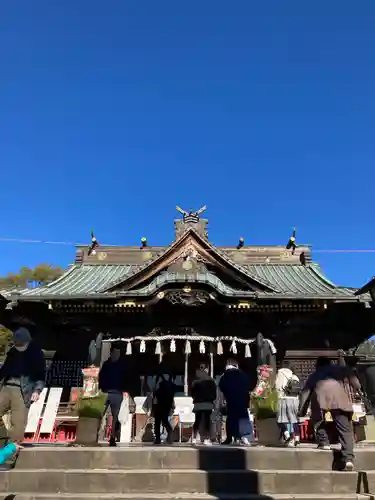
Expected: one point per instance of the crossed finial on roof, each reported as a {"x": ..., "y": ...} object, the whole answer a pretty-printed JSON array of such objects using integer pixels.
[{"x": 191, "y": 216}]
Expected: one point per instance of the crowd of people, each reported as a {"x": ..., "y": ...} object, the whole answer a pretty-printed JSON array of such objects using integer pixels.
[{"x": 326, "y": 395}]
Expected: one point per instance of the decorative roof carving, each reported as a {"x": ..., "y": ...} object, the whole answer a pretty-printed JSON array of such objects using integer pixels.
[
  {"x": 190, "y": 298},
  {"x": 192, "y": 243}
]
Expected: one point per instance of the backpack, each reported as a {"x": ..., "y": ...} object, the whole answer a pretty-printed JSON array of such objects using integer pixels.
[{"x": 293, "y": 387}]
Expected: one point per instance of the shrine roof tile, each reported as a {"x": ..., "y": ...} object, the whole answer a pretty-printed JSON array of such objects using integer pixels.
[
  {"x": 291, "y": 281},
  {"x": 81, "y": 280}
]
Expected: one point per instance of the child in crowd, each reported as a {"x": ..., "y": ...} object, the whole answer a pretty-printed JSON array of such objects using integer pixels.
[{"x": 288, "y": 388}]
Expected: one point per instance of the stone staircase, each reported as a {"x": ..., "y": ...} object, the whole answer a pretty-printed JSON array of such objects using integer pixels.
[{"x": 166, "y": 473}]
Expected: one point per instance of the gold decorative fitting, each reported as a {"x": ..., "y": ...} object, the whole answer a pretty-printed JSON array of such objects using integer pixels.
[
  {"x": 146, "y": 255},
  {"x": 187, "y": 289},
  {"x": 244, "y": 305},
  {"x": 101, "y": 255},
  {"x": 187, "y": 265},
  {"x": 125, "y": 304},
  {"x": 161, "y": 295}
]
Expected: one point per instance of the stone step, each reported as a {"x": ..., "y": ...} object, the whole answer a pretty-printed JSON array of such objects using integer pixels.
[
  {"x": 215, "y": 483},
  {"x": 202, "y": 458},
  {"x": 176, "y": 496}
]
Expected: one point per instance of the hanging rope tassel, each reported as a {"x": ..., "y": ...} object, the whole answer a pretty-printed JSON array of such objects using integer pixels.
[
  {"x": 187, "y": 347},
  {"x": 142, "y": 347},
  {"x": 202, "y": 347},
  {"x": 247, "y": 351},
  {"x": 158, "y": 348},
  {"x": 219, "y": 349},
  {"x": 129, "y": 349},
  {"x": 173, "y": 346},
  {"x": 233, "y": 347}
]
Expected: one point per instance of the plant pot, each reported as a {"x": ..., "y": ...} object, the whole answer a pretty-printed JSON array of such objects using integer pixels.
[
  {"x": 268, "y": 432},
  {"x": 87, "y": 431}
]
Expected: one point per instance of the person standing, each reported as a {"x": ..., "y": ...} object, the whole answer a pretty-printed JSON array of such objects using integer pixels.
[
  {"x": 113, "y": 381},
  {"x": 326, "y": 390},
  {"x": 203, "y": 392},
  {"x": 235, "y": 387},
  {"x": 22, "y": 379},
  {"x": 288, "y": 389},
  {"x": 163, "y": 406}
]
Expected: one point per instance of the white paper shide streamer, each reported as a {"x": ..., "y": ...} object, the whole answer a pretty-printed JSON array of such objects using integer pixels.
[
  {"x": 172, "y": 346},
  {"x": 233, "y": 347},
  {"x": 202, "y": 347}
]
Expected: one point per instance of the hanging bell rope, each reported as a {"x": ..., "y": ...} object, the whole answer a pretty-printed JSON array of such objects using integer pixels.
[
  {"x": 129, "y": 349},
  {"x": 172, "y": 346}
]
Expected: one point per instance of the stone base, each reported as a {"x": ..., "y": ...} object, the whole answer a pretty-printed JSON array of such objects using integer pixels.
[
  {"x": 365, "y": 430},
  {"x": 268, "y": 432}
]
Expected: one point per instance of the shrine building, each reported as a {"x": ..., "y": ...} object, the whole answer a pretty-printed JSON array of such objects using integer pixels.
[{"x": 187, "y": 300}]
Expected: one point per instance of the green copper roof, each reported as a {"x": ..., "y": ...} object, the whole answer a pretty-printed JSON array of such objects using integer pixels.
[
  {"x": 288, "y": 281},
  {"x": 82, "y": 280},
  {"x": 304, "y": 280}
]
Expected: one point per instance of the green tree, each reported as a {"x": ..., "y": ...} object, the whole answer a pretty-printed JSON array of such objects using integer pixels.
[
  {"x": 41, "y": 274},
  {"x": 45, "y": 273},
  {"x": 5, "y": 338}
]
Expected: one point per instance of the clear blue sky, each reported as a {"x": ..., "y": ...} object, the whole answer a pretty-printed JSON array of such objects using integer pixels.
[{"x": 111, "y": 113}]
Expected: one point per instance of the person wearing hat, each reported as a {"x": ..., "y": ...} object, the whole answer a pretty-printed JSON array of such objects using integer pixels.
[{"x": 22, "y": 379}]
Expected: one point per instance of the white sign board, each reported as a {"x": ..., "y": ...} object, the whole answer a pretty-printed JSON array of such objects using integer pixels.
[
  {"x": 50, "y": 412},
  {"x": 35, "y": 413}
]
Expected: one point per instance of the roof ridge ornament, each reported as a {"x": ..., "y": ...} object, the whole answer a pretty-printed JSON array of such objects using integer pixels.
[{"x": 191, "y": 216}]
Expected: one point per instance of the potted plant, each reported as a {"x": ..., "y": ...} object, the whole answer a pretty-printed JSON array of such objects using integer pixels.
[
  {"x": 90, "y": 413},
  {"x": 264, "y": 410}
]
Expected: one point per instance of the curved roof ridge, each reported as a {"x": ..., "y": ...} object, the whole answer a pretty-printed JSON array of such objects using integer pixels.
[
  {"x": 242, "y": 269},
  {"x": 162, "y": 279},
  {"x": 70, "y": 270},
  {"x": 315, "y": 267},
  {"x": 209, "y": 245}
]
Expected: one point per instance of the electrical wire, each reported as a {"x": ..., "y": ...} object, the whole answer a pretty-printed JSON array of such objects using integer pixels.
[{"x": 72, "y": 243}]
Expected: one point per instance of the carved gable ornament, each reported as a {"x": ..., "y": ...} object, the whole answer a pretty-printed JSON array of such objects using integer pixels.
[
  {"x": 188, "y": 261},
  {"x": 188, "y": 298}
]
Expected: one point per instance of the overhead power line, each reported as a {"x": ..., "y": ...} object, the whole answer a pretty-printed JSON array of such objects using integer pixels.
[{"x": 73, "y": 243}]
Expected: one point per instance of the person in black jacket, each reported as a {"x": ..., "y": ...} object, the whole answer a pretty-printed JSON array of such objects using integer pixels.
[
  {"x": 22, "y": 379},
  {"x": 163, "y": 405},
  {"x": 113, "y": 381},
  {"x": 203, "y": 392},
  {"x": 234, "y": 385}
]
